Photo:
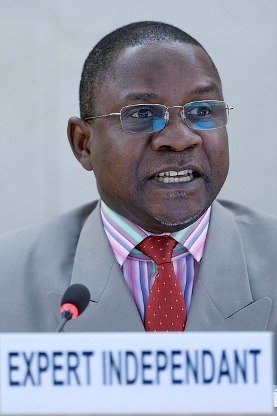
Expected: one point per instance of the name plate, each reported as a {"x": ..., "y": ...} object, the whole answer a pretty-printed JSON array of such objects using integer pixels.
[{"x": 109, "y": 373}]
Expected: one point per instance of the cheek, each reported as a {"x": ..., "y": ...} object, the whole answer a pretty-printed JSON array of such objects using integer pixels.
[
  {"x": 217, "y": 152},
  {"x": 115, "y": 160},
  {"x": 224, "y": 155}
]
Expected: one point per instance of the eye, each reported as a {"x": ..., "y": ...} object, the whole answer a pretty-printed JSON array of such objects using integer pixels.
[
  {"x": 141, "y": 113},
  {"x": 200, "y": 111}
]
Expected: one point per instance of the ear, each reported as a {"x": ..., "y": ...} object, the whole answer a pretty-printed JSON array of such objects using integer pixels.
[{"x": 79, "y": 135}]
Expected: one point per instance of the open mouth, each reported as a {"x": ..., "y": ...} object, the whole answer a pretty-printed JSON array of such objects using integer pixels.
[{"x": 173, "y": 176}]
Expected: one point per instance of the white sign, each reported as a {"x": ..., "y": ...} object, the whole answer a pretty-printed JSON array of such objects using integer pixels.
[{"x": 136, "y": 373}]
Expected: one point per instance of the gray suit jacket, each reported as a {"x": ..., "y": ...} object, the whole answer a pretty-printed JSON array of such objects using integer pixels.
[{"x": 236, "y": 288}]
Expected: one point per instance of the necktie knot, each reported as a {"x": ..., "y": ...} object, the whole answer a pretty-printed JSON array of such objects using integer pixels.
[{"x": 158, "y": 248}]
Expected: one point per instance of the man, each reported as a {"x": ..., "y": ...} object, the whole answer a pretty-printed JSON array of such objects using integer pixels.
[{"x": 153, "y": 130}]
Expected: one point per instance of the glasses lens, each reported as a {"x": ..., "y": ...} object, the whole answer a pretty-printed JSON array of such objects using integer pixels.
[
  {"x": 143, "y": 118},
  {"x": 206, "y": 115}
]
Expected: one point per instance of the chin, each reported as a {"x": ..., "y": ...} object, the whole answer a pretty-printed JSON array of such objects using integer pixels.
[
  {"x": 173, "y": 224},
  {"x": 181, "y": 219}
]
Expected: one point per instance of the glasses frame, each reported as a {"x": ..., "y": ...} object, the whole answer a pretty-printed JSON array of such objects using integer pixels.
[{"x": 166, "y": 116}]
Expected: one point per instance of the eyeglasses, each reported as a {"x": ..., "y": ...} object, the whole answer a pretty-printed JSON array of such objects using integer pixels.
[{"x": 148, "y": 118}]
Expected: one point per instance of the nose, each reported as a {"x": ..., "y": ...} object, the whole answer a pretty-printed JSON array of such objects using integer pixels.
[{"x": 175, "y": 136}]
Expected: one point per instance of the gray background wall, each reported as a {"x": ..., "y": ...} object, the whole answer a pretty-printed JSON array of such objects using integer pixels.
[{"x": 43, "y": 44}]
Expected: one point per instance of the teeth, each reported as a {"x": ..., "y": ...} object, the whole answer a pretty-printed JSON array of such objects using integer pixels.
[
  {"x": 173, "y": 173},
  {"x": 173, "y": 176},
  {"x": 175, "y": 180}
]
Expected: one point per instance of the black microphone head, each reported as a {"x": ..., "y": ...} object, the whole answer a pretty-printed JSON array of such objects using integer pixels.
[{"x": 78, "y": 295}]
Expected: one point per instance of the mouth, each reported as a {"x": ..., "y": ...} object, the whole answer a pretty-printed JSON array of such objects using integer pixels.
[{"x": 174, "y": 176}]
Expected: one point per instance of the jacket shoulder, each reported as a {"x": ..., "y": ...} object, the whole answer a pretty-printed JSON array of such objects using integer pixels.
[
  {"x": 242, "y": 214},
  {"x": 257, "y": 229},
  {"x": 34, "y": 261},
  {"x": 52, "y": 241},
  {"x": 65, "y": 223}
]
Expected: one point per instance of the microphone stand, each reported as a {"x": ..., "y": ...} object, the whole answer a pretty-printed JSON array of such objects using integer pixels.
[{"x": 66, "y": 316}]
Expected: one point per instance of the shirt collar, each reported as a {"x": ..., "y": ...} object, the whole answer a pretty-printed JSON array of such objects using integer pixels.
[{"x": 124, "y": 235}]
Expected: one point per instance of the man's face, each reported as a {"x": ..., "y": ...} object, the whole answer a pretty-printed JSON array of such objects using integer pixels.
[{"x": 129, "y": 167}]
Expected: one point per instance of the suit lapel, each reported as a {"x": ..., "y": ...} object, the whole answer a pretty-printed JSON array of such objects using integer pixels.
[
  {"x": 222, "y": 298},
  {"x": 111, "y": 307}
]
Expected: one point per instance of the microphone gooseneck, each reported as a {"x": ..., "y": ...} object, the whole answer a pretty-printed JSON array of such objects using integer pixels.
[{"x": 74, "y": 301}]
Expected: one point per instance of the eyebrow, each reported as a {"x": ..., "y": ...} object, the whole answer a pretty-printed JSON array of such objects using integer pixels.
[
  {"x": 145, "y": 96},
  {"x": 205, "y": 89}
]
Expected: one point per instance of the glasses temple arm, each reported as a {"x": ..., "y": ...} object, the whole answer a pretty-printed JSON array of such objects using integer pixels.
[{"x": 103, "y": 115}]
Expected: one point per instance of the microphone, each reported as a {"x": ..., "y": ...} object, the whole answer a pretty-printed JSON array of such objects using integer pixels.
[{"x": 74, "y": 301}]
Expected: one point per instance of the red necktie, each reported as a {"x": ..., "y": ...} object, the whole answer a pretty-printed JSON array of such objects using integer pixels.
[{"x": 165, "y": 310}]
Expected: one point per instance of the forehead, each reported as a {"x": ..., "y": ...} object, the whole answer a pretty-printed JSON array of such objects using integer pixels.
[{"x": 162, "y": 70}]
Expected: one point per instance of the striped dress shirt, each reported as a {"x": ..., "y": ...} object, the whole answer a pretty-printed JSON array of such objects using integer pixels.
[{"x": 138, "y": 270}]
